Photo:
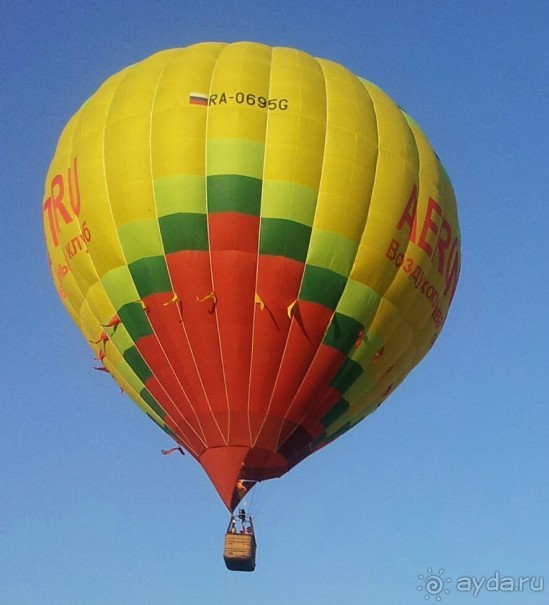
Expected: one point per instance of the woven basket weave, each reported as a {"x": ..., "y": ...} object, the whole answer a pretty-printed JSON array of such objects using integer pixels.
[{"x": 239, "y": 552}]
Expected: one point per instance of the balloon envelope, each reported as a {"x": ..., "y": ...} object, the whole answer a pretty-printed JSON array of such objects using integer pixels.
[{"x": 258, "y": 245}]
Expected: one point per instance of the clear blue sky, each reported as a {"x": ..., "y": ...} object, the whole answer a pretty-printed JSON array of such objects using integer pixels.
[{"x": 451, "y": 473}]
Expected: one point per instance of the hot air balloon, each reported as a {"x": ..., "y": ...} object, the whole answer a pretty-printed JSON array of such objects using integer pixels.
[{"x": 258, "y": 245}]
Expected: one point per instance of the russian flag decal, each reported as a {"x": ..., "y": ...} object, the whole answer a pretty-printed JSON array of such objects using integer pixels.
[{"x": 198, "y": 98}]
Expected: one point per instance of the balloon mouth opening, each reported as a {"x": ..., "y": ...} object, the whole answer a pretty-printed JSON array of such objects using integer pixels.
[{"x": 234, "y": 470}]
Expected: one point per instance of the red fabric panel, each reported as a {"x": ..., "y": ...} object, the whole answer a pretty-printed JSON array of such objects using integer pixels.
[
  {"x": 226, "y": 465},
  {"x": 312, "y": 423},
  {"x": 233, "y": 231},
  {"x": 191, "y": 279},
  {"x": 315, "y": 394},
  {"x": 176, "y": 401},
  {"x": 223, "y": 464},
  {"x": 233, "y": 246},
  {"x": 309, "y": 324},
  {"x": 169, "y": 357},
  {"x": 278, "y": 283}
]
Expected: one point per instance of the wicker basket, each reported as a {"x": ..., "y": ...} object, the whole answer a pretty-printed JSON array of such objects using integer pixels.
[{"x": 239, "y": 552}]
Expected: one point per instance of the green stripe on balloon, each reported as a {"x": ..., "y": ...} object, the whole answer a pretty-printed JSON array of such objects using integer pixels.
[
  {"x": 139, "y": 239},
  {"x": 325, "y": 438},
  {"x": 234, "y": 193},
  {"x": 180, "y": 193},
  {"x": 135, "y": 320},
  {"x": 165, "y": 428},
  {"x": 332, "y": 250},
  {"x": 152, "y": 403},
  {"x": 347, "y": 374},
  {"x": 288, "y": 200},
  {"x": 137, "y": 364},
  {"x": 322, "y": 286},
  {"x": 335, "y": 412},
  {"x": 184, "y": 231},
  {"x": 150, "y": 276},
  {"x": 235, "y": 156},
  {"x": 119, "y": 286},
  {"x": 343, "y": 333},
  {"x": 280, "y": 237},
  {"x": 359, "y": 301}
]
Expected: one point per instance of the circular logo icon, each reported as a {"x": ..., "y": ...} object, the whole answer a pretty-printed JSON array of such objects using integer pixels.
[{"x": 434, "y": 584}]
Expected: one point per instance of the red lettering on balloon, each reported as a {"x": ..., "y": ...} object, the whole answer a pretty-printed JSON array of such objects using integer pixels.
[
  {"x": 409, "y": 216},
  {"x": 55, "y": 208},
  {"x": 443, "y": 242},
  {"x": 429, "y": 225}
]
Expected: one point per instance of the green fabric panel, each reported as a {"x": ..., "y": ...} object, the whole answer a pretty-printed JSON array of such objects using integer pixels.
[
  {"x": 122, "y": 341},
  {"x": 336, "y": 412},
  {"x": 137, "y": 364},
  {"x": 332, "y": 251},
  {"x": 150, "y": 276},
  {"x": 367, "y": 350},
  {"x": 359, "y": 301},
  {"x": 350, "y": 417},
  {"x": 291, "y": 201},
  {"x": 322, "y": 286},
  {"x": 135, "y": 320},
  {"x": 152, "y": 403},
  {"x": 180, "y": 193},
  {"x": 342, "y": 429},
  {"x": 235, "y": 156},
  {"x": 140, "y": 239},
  {"x": 234, "y": 193},
  {"x": 342, "y": 333},
  {"x": 280, "y": 237},
  {"x": 347, "y": 374},
  {"x": 361, "y": 388},
  {"x": 324, "y": 437},
  {"x": 169, "y": 432},
  {"x": 184, "y": 231},
  {"x": 163, "y": 426},
  {"x": 121, "y": 335},
  {"x": 119, "y": 286}
]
